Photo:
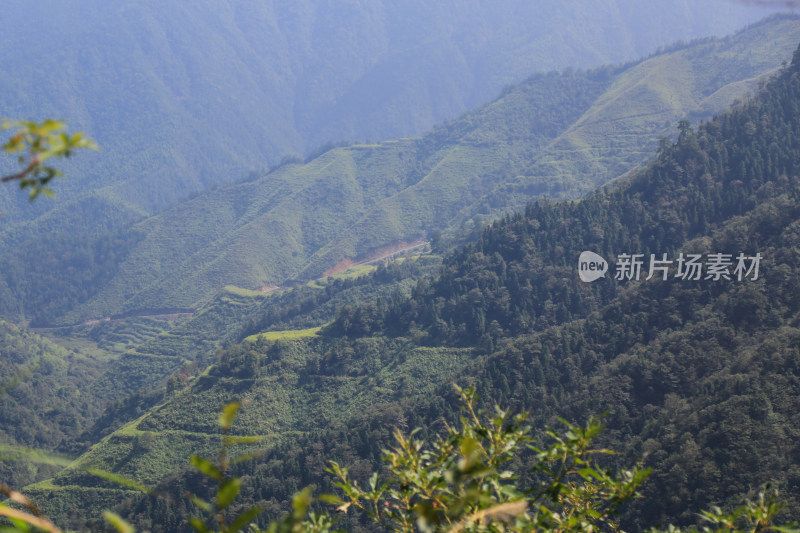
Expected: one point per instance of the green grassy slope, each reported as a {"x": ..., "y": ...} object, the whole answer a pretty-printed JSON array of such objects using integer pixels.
[
  {"x": 183, "y": 349},
  {"x": 295, "y": 392},
  {"x": 128, "y": 438},
  {"x": 556, "y": 135},
  {"x": 624, "y": 125}
]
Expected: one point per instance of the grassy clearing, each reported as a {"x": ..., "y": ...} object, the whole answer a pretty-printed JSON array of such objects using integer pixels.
[
  {"x": 289, "y": 334},
  {"x": 238, "y": 291},
  {"x": 84, "y": 346},
  {"x": 355, "y": 272}
]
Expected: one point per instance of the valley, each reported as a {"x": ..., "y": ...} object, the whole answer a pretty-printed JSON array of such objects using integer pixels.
[{"x": 337, "y": 299}]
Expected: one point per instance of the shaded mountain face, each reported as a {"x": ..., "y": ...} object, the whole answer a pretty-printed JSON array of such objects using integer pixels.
[
  {"x": 557, "y": 135},
  {"x": 700, "y": 377}
]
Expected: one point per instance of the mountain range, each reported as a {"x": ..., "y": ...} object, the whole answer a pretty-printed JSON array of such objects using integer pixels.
[
  {"x": 310, "y": 294},
  {"x": 699, "y": 375},
  {"x": 180, "y": 98},
  {"x": 556, "y": 135}
]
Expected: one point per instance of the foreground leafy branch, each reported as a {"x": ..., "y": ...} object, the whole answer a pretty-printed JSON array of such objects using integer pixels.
[
  {"x": 468, "y": 480},
  {"x": 35, "y": 144},
  {"x": 228, "y": 487}
]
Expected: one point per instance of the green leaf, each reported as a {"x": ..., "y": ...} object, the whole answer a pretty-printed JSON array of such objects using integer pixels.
[
  {"x": 198, "y": 525},
  {"x": 228, "y": 492},
  {"x": 330, "y": 498},
  {"x": 117, "y": 522},
  {"x": 301, "y": 501},
  {"x": 206, "y": 467},
  {"x": 201, "y": 503},
  {"x": 17, "y": 526},
  {"x": 244, "y": 519},
  {"x": 18, "y": 453},
  {"x": 22, "y": 519},
  {"x": 121, "y": 480},
  {"x": 248, "y": 457},
  {"x": 228, "y": 415}
]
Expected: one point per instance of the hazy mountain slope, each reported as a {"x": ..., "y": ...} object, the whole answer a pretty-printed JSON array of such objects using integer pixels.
[
  {"x": 554, "y": 134},
  {"x": 293, "y": 403},
  {"x": 694, "y": 83},
  {"x": 702, "y": 375},
  {"x": 181, "y": 97}
]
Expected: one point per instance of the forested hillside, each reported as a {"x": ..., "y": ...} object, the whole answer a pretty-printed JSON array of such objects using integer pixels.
[
  {"x": 700, "y": 377},
  {"x": 45, "y": 401},
  {"x": 557, "y": 135}
]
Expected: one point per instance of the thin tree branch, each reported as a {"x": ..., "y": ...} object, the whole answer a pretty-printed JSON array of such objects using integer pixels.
[{"x": 20, "y": 175}]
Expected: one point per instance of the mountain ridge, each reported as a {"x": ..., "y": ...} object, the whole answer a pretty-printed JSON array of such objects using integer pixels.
[
  {"x": 272, "y": 80},
  {"x": 297, "y": 221}
]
